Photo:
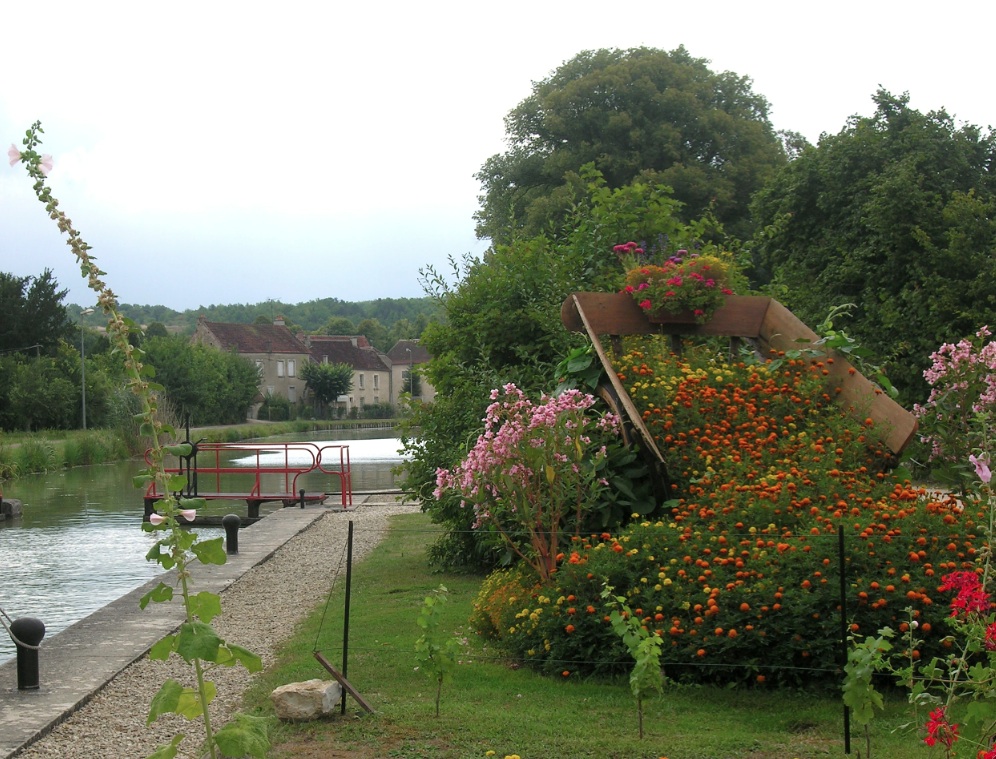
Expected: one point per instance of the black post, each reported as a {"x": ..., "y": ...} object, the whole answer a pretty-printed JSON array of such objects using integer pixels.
[
  {"x": 843, "y": 628},
  {"x": 231, "y": 523},
  {"x": 29, "y": 631},
  {"x": 301, "y": 493},
  {"x": 345, "y": 611}
]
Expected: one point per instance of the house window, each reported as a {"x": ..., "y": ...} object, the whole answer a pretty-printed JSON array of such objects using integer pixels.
[
  {"x": 325, "y": 359},
  {"x": 292, "y": 394},
  {"x": 290, "y": 367},
  {"x": 376, "y": 382},
  {"x": 280, "y": 368},
  {"x": 361, "y": 386},
  {"x": 259, "y": 366},
  {"x": 376, "y": 399}
]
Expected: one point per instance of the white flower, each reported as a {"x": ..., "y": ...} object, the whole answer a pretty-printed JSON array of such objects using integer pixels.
[
  {"x": 14, "y": 155},
  {"x": 188, "y": 514},
  {"x": 45, "y": 165},
  {"x": 156, "y": 519}
]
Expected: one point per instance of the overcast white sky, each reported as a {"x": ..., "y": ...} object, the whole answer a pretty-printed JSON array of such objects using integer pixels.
[{"x": 234, "y": 152}]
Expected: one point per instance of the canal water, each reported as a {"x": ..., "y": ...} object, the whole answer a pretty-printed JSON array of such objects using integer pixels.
[{"x": 79, "y": 544}]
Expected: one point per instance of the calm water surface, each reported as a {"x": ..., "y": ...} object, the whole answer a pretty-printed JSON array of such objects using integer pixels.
[{"x": 79, "y": 544}]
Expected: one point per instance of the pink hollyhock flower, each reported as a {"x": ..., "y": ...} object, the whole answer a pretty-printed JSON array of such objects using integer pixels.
[
  {"x": 981, "y": 464},
  {"x": 45, "y": 165},
  {"x": 14, "y": 155},
  {"x": 156, "y": 519},
  {"x": 188, "y": 514}
]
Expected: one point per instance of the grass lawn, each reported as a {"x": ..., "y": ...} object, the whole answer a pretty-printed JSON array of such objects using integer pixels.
[{"x": 490, "y": 705}]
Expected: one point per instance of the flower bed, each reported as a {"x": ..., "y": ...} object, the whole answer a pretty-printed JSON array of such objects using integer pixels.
[{"x": 742, "y": 578}]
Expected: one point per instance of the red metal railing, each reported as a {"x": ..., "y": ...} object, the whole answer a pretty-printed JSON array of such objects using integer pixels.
[{"x": 260, "y": 472}]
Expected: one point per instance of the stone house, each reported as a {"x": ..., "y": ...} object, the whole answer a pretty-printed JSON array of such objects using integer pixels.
[
  {"x": 405, "y": 356},
  {"x": 276, "y": 351}
]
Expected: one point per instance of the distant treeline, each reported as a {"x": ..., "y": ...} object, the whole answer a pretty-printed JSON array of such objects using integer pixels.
[{"x": 311, "y": 316}]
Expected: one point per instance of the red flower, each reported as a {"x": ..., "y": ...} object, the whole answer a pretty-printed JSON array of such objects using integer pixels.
[
  {"x": 990, "y": 640},
  {"x": 971, "y": 597},
  {"x": 940, "y": 730}
]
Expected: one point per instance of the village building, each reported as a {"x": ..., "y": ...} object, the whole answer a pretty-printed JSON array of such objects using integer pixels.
[
  {"x": 279, "y": 354},
  {"x": 406, "y": 357},
  {"x": 275, "y": 350}
]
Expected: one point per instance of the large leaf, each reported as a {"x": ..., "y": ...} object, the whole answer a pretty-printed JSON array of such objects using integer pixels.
[
  {"x": 229, "y": 655},
  {"x": 210, "y": 551},
  {"x": 159, "y": 594},
  {"x": 205, "y": 605},
  {"x": 197, "y": 640},
  {"x": 165, "y": 701},
  {"x": 244, "y": 735}
]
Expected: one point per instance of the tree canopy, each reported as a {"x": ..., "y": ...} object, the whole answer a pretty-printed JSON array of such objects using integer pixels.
[
  {"x": 896, "y": 214},
  {"x": 31, "y": 313},
  {"x": 327, "y": 381},
  {"x": 662, "y": 117}
]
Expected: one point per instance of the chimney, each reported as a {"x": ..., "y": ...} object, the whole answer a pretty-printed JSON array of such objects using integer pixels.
[{"x": 278, "y": 321}]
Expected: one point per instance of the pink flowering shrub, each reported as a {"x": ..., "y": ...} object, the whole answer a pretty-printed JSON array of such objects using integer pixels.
[
  {"x": 956, "y": 420},
  {"x": 532, "y": 474}
]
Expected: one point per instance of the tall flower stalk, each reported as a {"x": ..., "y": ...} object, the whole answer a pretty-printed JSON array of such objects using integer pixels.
[{"x": 196, "y": 642}]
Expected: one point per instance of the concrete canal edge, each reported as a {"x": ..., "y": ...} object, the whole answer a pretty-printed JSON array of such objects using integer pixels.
[{"x": 79, "y": 661}]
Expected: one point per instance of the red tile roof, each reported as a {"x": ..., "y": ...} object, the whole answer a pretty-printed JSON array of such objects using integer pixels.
[
  {"x": 254, "y": 338},
  {"x": 354, "y": 350}
]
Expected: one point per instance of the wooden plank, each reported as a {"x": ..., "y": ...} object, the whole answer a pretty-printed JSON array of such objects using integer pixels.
[
  {"x": 763, "y": 319},
  {"x": 635, "y": 419},
  {"x": 895, "y": 426},
  {"x": 346, "y": 685}
]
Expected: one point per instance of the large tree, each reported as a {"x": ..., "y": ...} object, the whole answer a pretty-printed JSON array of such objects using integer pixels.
[
  {"x": 31, "y": 313},
  {"x": 326, "y": 382},
  {"x": 896, "y": 214},
  {"x": 664, "y": 117}
]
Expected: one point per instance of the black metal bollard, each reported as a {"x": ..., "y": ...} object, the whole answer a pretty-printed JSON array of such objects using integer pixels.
[
  {"x": 29, "y": 631},
  {"x": 302, "y": 497},
  {"x": 231, "y": 523}
]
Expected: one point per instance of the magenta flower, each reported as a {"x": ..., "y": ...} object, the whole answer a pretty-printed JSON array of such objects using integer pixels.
[
  {"x": 981, "y": 464},
  {"x": 14, "y": 155}
]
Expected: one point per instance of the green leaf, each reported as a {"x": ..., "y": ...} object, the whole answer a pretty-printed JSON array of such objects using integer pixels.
[
  {"x": 210, "y": 551},
  {"x": 179, "y": 450},
  {"x": 167, "y": 750},
  {"x": 189, "y": 704},
  {"x": 229, "y": 655},
  {"x": 205, "y": 605},
  {"x": 244, "y": 735},
  {"x": 177, "y": 482},
  {"x": 165, "y": 701},
  {"x": 159, "y": 594},
  {"x": 161, "y": 650},
  {"x": 197, "y": 640}
]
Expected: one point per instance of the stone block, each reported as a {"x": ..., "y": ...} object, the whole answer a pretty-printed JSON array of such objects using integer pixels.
[{"x": 307, "y": 700}]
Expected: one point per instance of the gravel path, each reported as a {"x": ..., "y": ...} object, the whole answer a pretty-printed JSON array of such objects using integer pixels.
[{"x": 259, "y": 612}]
